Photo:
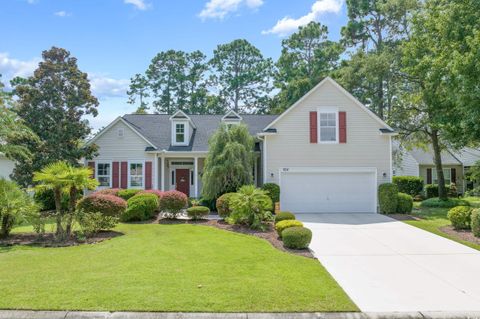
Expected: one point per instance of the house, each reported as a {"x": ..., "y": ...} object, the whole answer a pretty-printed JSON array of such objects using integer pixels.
[
  {"x": 6, "y": 167},
  {"x": 327, "y": 152},
  {"x": 419, "y": 162}
]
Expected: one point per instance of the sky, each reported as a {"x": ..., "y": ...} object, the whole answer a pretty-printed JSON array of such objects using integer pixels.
[{"x": 115, "y": 39}]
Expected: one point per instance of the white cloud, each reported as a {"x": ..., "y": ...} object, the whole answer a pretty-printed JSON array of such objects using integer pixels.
[
  {"x": 218, "y": 9},
  {"x": 10, "y": 68},
  {"x": 62, "y": 14},
  {"x": 139, "y": 4},
  {"x": 104, "y": 86},
  {"x": 288, "y": 25}
]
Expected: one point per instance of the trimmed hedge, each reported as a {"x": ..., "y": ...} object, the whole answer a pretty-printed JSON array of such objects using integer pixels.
[
  {"x": 109, "y": 191},
  {"x": 411, "y": 185},
  {"x": 387, "y": 198},
  {"x": 460, "y": 217},
  {"x": 449, "y": 203},
  {"x": 223, "y": 205},
  {"x": 126, "y": 194},
  {"x": 151, "y": 191},
  {"x": 197, "y": 212},
  {"x": 284, "y": 216},
  {"x": 284, "y": 224},
  {"x": 172, "y": 202},
  {"x": 273, "y": 191},
  {"x": 140, "y": 207},
  {"x": 107, "y": 205},
  {"x": 475, "y": 223},
  {"x": 431, "y": 190},
  {"x": 404, "y": 203},
  {"x": 297, "y": 237}
]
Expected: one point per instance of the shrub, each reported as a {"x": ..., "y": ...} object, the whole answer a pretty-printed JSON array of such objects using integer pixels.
[
  {"x": 475, "y": 223},
  {"x": 46, "y": 200},
  {"x": 410, "y": 185},
  {"x": 109, "y": 191},
  {"x": 418, "y": 198},
  {"x": 172, "y": 203},
  {"x": 460, "y": 217},
  {"x": 284, "y": 224},
  {"x": 431, "y": 190},
  {"x": 108, "y": 205},
  {"x": 273, "y": 191},
  {"x": 297, "y": 237},
  {"x": 126, "y": 194},
  {"x": 151, "y": 191},
  {"x": 140, "y": 207},
  {"x": 223, "y": 205},
  {"x": 250, "y": 206},
  {"x": 404, "y": 203},
  {"x": 93, "y": 223},
  {"x": 197, "y": 212},
  {"x": 449, "y": 203},
  {"x": 284, "y": 216},
  {"x": 387, "y": 197}
]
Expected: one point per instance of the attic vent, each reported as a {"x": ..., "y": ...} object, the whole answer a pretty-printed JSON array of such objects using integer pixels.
[{"x": 120, "y": 132}]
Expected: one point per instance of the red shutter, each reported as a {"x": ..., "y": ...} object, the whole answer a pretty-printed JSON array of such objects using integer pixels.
[
  {"x": 92, "y": 166},
  {"x": 342, "y": 126},
  {"x": 124, "y": 175},
  {"x": 454, "y": 175},
  {"x": 148, "y": 175},
  {"x": 115, "y": 177},
  {"x": 313, "y": 127},
  {"x": 429, "y": 175}
]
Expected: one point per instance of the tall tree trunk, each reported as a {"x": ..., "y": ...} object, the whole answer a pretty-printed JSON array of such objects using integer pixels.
[
  {"x": 58, "y": 207},
  {"x": 7, "y": 224},
  {"x": 71, "y": 210},
  {"x": 437, "y": 157}
]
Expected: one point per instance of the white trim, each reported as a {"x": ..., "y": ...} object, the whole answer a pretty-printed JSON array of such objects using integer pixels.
[
  {"x": 143, "y": 173},
  {"x": 391, "y": 160},
  {"x": 186, "y": 133},
  {"x": 350, "y": 96},
  {"x": 261, "y": 134},
  {"x": 195, "y": 175},
  {"x": 264, "y": 148},
  {"x": 111, "y": 172},
  {"x": 187, "y": 118},
  {"x": 328, "y": 110},
  {"x": 162, "y": 173},
  {"x": 109, "y": 126},
  {"x": 224, "y": 118},
  {"x": 156, "y": 171}
]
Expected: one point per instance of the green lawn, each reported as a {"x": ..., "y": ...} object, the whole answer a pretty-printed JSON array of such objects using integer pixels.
[
  {"x": 167, "y": 268},
  {"x": 434, "y": 218}
]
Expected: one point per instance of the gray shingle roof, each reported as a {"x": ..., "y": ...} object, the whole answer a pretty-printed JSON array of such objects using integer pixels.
[
  {"x": 157, "y": 129},
  {"x": 468, "y": 156},
  {"x": 425, "y": 157}
]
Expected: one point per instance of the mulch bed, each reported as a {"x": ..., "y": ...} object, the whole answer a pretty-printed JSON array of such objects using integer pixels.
[
  {"x": 465, "y": 235},
  {"x": 269, "y": 234},
  {"x": 48, "y": 240}
]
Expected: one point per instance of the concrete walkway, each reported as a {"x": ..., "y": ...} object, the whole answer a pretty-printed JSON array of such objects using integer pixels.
[{"x": 385, "y": 265}]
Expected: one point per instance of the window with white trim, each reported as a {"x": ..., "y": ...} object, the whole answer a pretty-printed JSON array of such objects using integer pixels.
[
  {"x": 180, "y": 133},
  {"x": 136, "y": 174},
  {"x": 447, "y": 174},
  {"x": 328, "y": 127},
  {"x": 104, "y": 174}
]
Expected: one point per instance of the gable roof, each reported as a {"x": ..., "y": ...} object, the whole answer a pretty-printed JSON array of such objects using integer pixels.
[
  {"x": 468, "y": 156},
  {"x": 345, "y": 92},
  {"x": 425, "y": 156},
  {"x": 232, "y": 116}
]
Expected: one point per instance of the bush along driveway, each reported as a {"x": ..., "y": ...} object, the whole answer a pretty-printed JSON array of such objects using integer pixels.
[{"x": 185, "y": 268}]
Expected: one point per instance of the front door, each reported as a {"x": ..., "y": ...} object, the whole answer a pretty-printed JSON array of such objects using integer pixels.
[{"x": 182, "y": 180}]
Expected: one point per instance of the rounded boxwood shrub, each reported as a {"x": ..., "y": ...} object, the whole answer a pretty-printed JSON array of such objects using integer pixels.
[
  {"x": 284, "y": 216},
  {"x": 387, "y": 198},
  {"x": 108, "y": 205},
  {"x": 273, "y": 191},
  {"x": 431, "y": 190},
  {"x": 411, "y": 185},
  {"x": 223, "y": 205},
  {"x": 109, "y": 191},
  {"x": 449, "y": 203},
  {"x": 460, "y": 217},
  {"x": 151, "y": 191},
  {"x": 172, "y": 202},
  {"x": 404, "y": 203},
  {"x": 284, "y": 224},
  {"x": 140, "y": 207},
  {"x": 297, "y": 237},
  {"x": 475, "y": 223},
  {"x": 197, "y": 212},
  {"x": 126, "y": 194}
]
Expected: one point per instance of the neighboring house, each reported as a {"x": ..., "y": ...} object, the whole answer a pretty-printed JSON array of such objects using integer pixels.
[
  {"x": 327, "y": 152},
  {"x": 6, "y": 167},
  {"x": 419, "y": 162}
]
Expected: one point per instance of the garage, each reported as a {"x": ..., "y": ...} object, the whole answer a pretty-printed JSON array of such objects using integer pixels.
[{"x": 328, "y": 190}]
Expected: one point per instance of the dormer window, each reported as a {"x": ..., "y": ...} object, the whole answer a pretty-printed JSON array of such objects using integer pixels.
[
  {"x": 180, "y": 133},
  {"x": 182, "y": 126},
  {"x": 231, "y": 118}
]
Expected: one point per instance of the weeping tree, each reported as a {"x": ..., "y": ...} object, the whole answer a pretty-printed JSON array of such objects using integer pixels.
[{"x": 229, "y": 163}]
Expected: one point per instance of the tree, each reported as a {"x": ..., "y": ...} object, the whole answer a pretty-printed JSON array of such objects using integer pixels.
[
  {"x": 307, "y": 57},
  {"x": 251, "y": 206},
  {"x": 54, "y": 102},
  {"x": 242, "y": 75},
  {"x": 139, "y": 89},
  {"x": 229, "y": 162},
  {"x": 441, "y": 63}
]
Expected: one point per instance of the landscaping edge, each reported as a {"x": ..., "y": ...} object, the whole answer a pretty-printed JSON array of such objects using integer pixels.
[{"x": 25, "y": 314}]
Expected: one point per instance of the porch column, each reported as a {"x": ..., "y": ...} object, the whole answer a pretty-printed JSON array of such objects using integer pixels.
[
  {"x": 195, "y": 175},
  {"x": 162, "y": 168},
  {"x": 156, "y": 171}
]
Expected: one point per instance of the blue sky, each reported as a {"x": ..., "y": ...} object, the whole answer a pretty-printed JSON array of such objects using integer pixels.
[{"x": 114, "y": 39}]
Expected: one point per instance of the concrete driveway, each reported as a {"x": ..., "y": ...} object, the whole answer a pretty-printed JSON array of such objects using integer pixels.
[{"x": 387, "y": 265}]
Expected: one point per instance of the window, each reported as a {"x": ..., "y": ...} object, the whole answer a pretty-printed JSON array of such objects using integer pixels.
[
  {"x": 191, "y": 177},
  {"x": 136, "y": 175},
  {"x": 180, "y": 133},
  {"x": 447, "y": 174},
  {"x": 328, "y": 127},
  {"x": 120, "y": 132},
  {"x": 173, "y": 177},
  {"x": 104, "y": 174}
]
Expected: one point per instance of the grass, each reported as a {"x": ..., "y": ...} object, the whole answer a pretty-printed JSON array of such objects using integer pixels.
[
  {"x": 153, "y": 267},
  {"x": 432, "y": 219}
]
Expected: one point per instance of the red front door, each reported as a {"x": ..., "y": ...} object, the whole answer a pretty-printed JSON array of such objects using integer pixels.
[{"x": 182, "y": 181}]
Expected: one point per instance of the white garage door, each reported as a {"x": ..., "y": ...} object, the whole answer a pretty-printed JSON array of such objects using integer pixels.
[{"x": 328, "y": 191}]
